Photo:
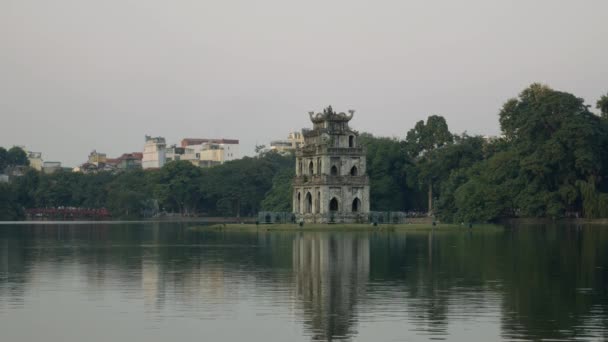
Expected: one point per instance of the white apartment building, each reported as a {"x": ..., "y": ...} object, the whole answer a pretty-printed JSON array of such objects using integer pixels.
[
  {"x": 214, "y": 150},
  {"x": 49, "y": 167},
  {"x": 154, "y": 155},
  {"x": 200, "y": 152},
  {"x": 35, "y": 159}
]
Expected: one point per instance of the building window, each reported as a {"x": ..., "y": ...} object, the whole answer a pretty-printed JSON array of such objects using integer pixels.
[
  {"x": 334, "y": 170},
  {"x": 351, "y": 141},
  {"x": 308, "y": 203},
  {"x": 333, "y": 204},
  {"x": 354, "y": 171},
  {"x": 298, "y": 201},
  {"x": 356, "y": 205},
  {"x": 311, "y": 168}
]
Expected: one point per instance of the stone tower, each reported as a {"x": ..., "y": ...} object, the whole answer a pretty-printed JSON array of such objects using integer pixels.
[{"x": 331, "y": 184}]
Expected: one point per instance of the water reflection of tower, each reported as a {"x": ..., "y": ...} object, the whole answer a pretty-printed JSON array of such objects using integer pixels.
[{"x": 331, "y": 272}]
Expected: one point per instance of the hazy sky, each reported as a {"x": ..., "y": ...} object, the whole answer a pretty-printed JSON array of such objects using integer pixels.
[{"x": 78, "y": 75}]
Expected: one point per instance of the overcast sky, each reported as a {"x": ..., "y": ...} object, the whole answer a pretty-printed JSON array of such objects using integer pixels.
[{"x": 78, "y": 75}]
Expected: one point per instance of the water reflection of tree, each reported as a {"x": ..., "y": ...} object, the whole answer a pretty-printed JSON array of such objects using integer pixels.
[
  {"x": 411, "y": 264},
  {"x": 549, "y": 283},
  {"x": 331, "y": 272},
  {"x": 559, "y": 275}
]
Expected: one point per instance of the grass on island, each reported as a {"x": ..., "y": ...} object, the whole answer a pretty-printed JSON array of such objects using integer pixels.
[{"x": 318, "y": 227}]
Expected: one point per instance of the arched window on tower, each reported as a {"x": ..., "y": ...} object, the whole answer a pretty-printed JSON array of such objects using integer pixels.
[
  {"x": 333, "y": 204},
  {"x": 334, "y": 170},
  {"x": 354, "y": 171},
  {"x": 308, "y": 203},
  {"x": 356, "y": 205},
  {"x": 311, "y": 168},
  {"x": 298, "y": 203},
  {"x": 351, "y": 141}
]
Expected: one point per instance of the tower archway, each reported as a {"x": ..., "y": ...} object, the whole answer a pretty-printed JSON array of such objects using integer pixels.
[
  {"x": 356, "y": 205},
  {"x": 354, "y": 171},
  {"x": 333, "y": 204},
  {"x": 308, "y": 203},
  {"x": 334, "y": 170},
  {"x": 298, "y": 203}
]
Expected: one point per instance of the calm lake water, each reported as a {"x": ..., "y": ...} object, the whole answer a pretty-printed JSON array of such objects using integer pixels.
[{"x": 163, "y": 282}]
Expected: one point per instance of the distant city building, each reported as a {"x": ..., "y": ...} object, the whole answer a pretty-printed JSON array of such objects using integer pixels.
[
  {"x": 190, "y": 154},
  {"x": 154, "y": 154},
  {"x": 127, "y": 161},
  {"x": 200, "y": 152},
  {"x": 211, "y": 151},
  {"x": 218, "y": 153},
  {"x": 86, "y": 168},
  {"x": 174, "y": 153},
  {"x": 294, "y": 140},
  {"x": 492, "y": 138},
  {"x": 50, "y": 167},
  {"x": 97, "y": 158},
  {"x": 14, "y": 171},
  {"x": 98, "y": 162},
  {"x": 199, "y": 141},
  {"x": 35, "y": 159}
]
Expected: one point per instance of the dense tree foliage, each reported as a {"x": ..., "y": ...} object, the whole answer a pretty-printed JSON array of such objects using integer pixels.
[
  {"x": 602, "y": 105},
  {"x": 279, "y": 197},
  {"x": 232, "y": 189},
  {"x": 237, "y": 188},
  {"x": 550, "y": 161},
  {"x": 387, "y": 166},
  {"x": 9, "y": 206},
  {"x": 15, "y": 156},
  {"x": 422, "y": 142}
]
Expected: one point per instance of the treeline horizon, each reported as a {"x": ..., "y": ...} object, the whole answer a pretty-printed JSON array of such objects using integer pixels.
[{"x": 550, "y": 161}]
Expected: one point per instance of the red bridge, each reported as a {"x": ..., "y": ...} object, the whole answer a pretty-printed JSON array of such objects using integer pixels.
[{"x": 68, "y": 213}]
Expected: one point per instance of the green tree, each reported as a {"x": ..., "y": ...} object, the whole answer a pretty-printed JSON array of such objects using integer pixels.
[
  {"x": 451, "y": 165},
  {"x": 129, "y": 194},
  {"x": 259, "y": 149},
  {"x": 26, "y": 187},
  {"x": 16, "y": 156},
  {"x": 279, "y": 197},
  {"x": 3, "y": 159},
  {"x": 9, "y": 206},
  {"x": 385, "y": 163},
  {"x": 558, "y": 143},
  {"x": 602, "y": 105},
  {"x": 421, "y": 142},
  {"x": 178, "y": 187}
]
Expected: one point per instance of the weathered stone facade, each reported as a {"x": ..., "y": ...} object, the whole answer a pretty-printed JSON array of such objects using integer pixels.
[{"x": 331, "y": 184}]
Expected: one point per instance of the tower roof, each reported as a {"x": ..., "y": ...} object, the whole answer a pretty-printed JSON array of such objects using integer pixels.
[{"x": 329, "y": 114}]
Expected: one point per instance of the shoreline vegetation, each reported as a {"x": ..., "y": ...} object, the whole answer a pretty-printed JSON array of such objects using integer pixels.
[
  {"x": 548, "y": 162},
  {"x": 250, "y": 221},
  {"x": 336, "y": 227}
]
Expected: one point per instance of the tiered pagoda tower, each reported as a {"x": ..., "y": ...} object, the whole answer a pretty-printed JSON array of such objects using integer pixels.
[{"x": 331, "y": 184}]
